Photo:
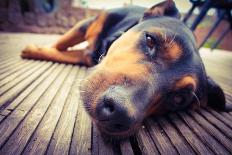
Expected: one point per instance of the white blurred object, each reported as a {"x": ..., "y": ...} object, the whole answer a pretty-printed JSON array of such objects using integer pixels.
[{"x": 182, "y": 5}]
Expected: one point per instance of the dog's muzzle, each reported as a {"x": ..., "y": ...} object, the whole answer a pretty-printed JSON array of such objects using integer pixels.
[{"x": 113, "y": 112}]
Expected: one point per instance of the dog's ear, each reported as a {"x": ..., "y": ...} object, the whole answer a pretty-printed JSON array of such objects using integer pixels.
[
  {"x": 166, "y": 8},
  {"x": 216, "y": 97}
]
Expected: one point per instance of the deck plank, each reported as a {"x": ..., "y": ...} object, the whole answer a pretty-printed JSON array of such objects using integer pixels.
[
  {"x": 41, "y": 111},
  {"x": 12, "y": 93},
  {"x": 213, "y": 131},
  {"x": 161, "y": 140},
  {"x": 203, "y": 135},
  {"x": 81, "y": 138},
  {"x": 190, "y": 137},
  {"x": 126, "y": 148},
  {"x": 178, "y": 141},
  {"x": 217, "y": 123},
  {"x": 8, "y": 63},
  {"x": 37, "y": 143},
  {"x": 18, "y": 140},
  {"x": 8, "y": 109},
  {"x": 145, "y": 142},
  {"x": 61, "y": 139},
  {"x": 39, "y": 68},
  {"x": 221, "y": 117},
  {"x": 6, "y": 59},
  {"x": 14, "y": 76},
  {"x": 226, "y": 115},
  {"x": 10, "y": 124},
  {"x": 14, "y": 67},
  {"x": 102, "y": 147}
]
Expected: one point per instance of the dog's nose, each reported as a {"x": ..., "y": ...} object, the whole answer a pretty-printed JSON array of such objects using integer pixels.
[{"x": 112, "y": 114}]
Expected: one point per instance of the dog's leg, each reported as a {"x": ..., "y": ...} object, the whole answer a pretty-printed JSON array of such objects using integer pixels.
[
  {"x": 58, "y": 52},
  {"x": 74, "y": 36},
  {"x": 52, "y": 54}
]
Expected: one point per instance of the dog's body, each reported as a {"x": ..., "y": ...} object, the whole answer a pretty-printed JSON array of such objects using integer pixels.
[
  {"x": 116, "y": 22},
  {"x": 150, "y": 66}
]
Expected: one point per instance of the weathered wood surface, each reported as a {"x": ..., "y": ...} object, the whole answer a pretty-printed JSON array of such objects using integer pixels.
[{"x": 41, "y": 111}]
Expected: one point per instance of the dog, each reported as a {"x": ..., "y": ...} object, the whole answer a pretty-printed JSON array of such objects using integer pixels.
[{"x": 145, "y": 63}]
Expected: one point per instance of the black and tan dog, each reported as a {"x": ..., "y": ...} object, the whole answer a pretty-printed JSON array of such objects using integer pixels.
[{"x": 147, "y": 64}]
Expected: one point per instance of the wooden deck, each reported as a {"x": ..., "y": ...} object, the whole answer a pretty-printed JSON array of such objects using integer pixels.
[{"x": 40, "y": 111}]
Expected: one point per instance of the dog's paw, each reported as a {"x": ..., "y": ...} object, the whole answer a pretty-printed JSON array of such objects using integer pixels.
[
  {"x": 33, "y": 52},
  {"x": 30, "y": 51}
]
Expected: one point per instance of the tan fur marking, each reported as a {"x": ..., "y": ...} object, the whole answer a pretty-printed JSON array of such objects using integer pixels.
[
  {"x": 72, "y": 37},
  {"x": 123, "y": 56},
  {"x": 131, "y": 109},
  {"x": 185, "y": 82},
  {"x": 95, "y": 29},
  {"x": 122, "y": 61},
  {"x": 52, "y": 54},
  {"x": 173, "y": 53},
  {"x": 156, "y": 108}
]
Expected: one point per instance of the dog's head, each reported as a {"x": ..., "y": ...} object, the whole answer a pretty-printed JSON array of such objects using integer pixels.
[{"x": 153, "y": 68}]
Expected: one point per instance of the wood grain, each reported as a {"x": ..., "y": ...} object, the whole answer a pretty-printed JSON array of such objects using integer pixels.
[
  {"x": 9, "y": 124},
  {"x": 213, "y": 131},
  {"x": 145, "y": 142},
  {"x": 29, "y": 68},
  {"x": 12, "y": 93},
  {"x": 81, "y": 138},
  {"x": 126, "y": 148},
  {"x": 24, "y": 131},
  {"x": 190, "y": 137},
  {"x": 161, "y": 140},
  {"x": 37, "y": 143},
  {"x": 178, "y": 141},
  {"x": 41, "y": 111},
  {"x": 8, "y": 109},
  {"x": 8, "y": 70},
  {"x": 203, "y": 135}
]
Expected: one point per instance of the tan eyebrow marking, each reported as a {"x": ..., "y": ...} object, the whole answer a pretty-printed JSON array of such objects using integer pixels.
[
  {"x": 186, "y": 81},
  {"x": 173, "y": 52}
]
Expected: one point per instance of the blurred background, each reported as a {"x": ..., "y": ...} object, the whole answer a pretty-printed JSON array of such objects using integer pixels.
[
  {"x": 40, "y": 107},
  {"x": 209, "y": 19}
]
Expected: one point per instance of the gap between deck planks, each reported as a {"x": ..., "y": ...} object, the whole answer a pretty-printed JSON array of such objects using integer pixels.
[{"x": 41, "y": 112}]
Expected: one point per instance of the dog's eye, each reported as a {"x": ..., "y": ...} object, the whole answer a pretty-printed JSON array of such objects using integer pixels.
[
  {"x": 178, "y": 100},
  {"x": 150, "y": 42}
]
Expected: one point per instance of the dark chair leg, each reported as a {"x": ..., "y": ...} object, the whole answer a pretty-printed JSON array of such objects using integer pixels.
[
  {"x": 219, "y": 19},
  {"x": 220, "y": 38},
  {"x": 189, "y": 13},
  {"x": 206, "y": 6}
]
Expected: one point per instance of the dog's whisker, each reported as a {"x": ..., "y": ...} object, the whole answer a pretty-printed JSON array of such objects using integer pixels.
[
  {"x": 170, "y": 43},
  {"x": 101, "y": 57},
  {"x": 198, "y": 101},
  {"x": 78, "y": 85},
  {"x": 165, "y": 35},
  {"x": 78, "y": 81}
]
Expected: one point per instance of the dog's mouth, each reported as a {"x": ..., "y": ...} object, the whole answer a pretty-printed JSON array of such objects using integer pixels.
[
  {"x": 117, "y": 130},
  {"x": 116, "y": 103}
]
